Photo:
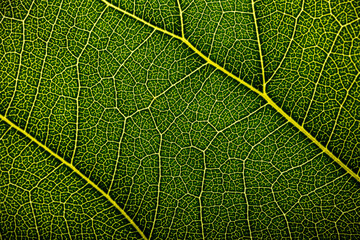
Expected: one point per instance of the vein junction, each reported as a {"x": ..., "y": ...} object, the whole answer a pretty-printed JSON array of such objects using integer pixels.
[
  {"x": 263, "y": 93},
  {"x": 182, "y": 38},
  {"x": 72, "y": 167}
]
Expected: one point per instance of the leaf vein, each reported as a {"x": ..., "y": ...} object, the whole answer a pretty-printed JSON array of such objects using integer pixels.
[
  {"x": 249, "y": 86},
  {"x": 73, "y": 168}
]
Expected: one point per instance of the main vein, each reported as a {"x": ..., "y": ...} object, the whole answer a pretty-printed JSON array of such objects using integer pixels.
[
  {"x": 72, "y": 167},
  {"x": 217, "y": 66},
  {"x": 263, "y": 94}
]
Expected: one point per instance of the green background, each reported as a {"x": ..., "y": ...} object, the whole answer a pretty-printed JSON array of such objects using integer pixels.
[{"x": 182, "y": 147}]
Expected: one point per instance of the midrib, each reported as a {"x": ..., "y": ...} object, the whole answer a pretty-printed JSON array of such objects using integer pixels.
[
  {"x": 217, "y": 66},
  {"x": 262, "y": 94}
]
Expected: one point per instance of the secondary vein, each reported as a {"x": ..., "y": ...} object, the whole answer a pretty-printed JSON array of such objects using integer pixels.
[
  {"x": 263, "y": 93},
  {"x": 72, "y": 167},
  {"x": 217, "y": 66},
  {"x": 259, "y": 45}
]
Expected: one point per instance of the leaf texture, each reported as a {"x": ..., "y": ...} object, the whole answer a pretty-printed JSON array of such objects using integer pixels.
[{"x": 179, "y": 119}]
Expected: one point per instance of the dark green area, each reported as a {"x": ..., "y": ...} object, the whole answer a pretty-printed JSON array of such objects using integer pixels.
[{"x": 184, "y": 149}]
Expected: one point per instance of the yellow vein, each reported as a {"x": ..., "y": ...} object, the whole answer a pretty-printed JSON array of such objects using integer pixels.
[
  {"x": 184, "y": 40},
  {"x": 72, "y": 167},
  {"x": 181, "y": 19},
  {"x": 262, "y": 94},
  {"x": 259, "y": 45},
  {"x": 220, "y": 67},
  {"x": 141, "y": 20},
  {"x": 303, "y": 130}
]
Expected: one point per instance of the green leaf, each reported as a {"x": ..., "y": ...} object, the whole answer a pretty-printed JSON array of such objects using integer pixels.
[{"x": 179, "y": 119}]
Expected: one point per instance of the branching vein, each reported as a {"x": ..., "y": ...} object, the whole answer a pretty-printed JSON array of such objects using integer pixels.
[
  {"x": 207, "y": 59},
  {"x": 73, "y": 168},
  {"x": 263, "y": 94}
]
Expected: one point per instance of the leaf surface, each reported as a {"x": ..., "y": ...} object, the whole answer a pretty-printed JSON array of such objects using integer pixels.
[{"x": 179, "y": 119}]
